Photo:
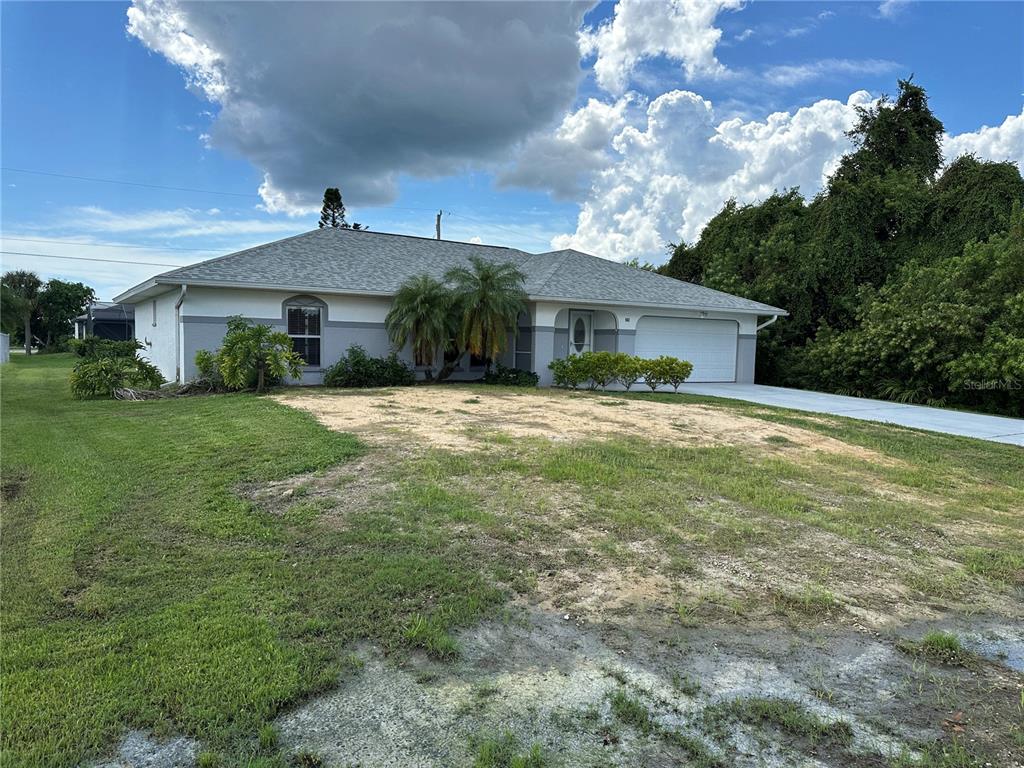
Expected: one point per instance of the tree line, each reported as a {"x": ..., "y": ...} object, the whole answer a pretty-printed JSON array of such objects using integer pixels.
[
  {"x": 40, "y": 313},
  {"x": 904, "y": 278}
]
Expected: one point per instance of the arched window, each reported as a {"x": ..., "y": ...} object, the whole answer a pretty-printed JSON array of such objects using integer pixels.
[{"x": 305, "y": 317}]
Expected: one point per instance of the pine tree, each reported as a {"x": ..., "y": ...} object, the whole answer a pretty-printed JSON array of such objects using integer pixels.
[{"x": 333, "y": 212}]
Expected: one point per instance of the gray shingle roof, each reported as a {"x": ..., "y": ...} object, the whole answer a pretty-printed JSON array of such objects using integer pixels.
[{"x": 351, "y": 261}]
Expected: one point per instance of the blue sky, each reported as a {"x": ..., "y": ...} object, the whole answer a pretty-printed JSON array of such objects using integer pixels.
[{"x": 677, "y": 104}]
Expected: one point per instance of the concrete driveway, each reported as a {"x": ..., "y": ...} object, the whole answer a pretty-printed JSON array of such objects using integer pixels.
[{"x": 999, "y": 429}]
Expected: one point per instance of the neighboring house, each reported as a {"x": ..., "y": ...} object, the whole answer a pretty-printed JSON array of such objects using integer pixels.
[
  {"x": 5, "y": 348},
  {"x": 107, "y": 321},
  {"x": 331, "y": 288}
]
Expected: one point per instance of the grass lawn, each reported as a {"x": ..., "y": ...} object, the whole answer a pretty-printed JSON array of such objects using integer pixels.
[{"x": 203, "y": 565}]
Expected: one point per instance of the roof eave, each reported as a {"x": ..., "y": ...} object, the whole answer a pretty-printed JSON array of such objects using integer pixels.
[{"x": 144, "y": 290}]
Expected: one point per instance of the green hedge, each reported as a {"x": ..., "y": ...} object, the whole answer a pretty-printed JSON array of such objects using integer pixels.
[
  {"x": 358, "y": 369},
  {"x": 600, "y": 370}
]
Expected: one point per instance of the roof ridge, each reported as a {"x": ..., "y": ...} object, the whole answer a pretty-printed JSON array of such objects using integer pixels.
[
  {"x": 549, "y": 272},
  {"x": 421, "y": 237}
]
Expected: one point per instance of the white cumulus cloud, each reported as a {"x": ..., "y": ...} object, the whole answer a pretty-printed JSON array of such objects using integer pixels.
[
  {"x": 681, "y": 30},
  {"x": 1000, "y": 142},
  {"x": 673, "y": 172},
  {"x": 357, "y": 94}
]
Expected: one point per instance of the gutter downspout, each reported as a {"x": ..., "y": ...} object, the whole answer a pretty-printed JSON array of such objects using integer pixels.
[
  {"x": 758, "y": 328},
  {"x": 177, "y": 333}
]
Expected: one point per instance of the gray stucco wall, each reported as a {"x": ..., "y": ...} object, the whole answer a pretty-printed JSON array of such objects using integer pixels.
[
  {"x": 335, "y": 338},
  {"x": 746, "y": 353},
  {"x": 542, "y": 352}
]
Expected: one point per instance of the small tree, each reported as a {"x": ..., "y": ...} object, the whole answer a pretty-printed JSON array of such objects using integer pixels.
[
  {"x": 491, "y": 296},
  {"x": 253, "y": 353},
  {"x": 332, "y": 214},
  {"x": 23, "y": 288},
  {"x": 422, "y": 313}
]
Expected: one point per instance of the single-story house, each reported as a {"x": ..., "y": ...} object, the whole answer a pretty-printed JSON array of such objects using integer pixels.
[
  {"x": 107, "y": 321},
  {"x": 331, "y": 288}
]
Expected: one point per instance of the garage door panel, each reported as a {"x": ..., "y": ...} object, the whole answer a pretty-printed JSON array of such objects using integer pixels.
[{"x": 709, "y": 344}]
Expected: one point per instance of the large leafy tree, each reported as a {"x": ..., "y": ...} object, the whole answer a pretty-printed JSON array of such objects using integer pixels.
[
  {"x": 490, "y": 298},
  {"x": 59, "y": 304},
  {"x": 22, "y": 296},
  {"x": 422, "y": 313},
  {"x": 860, "y": 265}
]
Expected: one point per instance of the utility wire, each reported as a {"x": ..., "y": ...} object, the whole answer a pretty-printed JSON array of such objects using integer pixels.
[
  {"x": 87, "y": 258},
  {"x": 127, "y": 183},
  {"x": 107, "y": 245}
]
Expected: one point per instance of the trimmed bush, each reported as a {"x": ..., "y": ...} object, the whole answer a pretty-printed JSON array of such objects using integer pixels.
[
  {"x": 602, "y": 369},
  {"x": 569, "y": 372},
  {"x": 628, "y": 369},
  {"x": 94, "y": 348},
  {"x": 99, "y": 378},
  {"x": 511, "y": 377},
  {"x": 358, "y": 369}
]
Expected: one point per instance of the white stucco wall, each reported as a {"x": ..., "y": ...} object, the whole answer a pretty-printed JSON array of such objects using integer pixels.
[
  {"x": 154, "y": 328},
  {"x": 267, "y": 305}
]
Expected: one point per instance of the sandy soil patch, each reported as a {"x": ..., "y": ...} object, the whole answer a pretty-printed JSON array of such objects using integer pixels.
[{"x": 448, "y": 417}]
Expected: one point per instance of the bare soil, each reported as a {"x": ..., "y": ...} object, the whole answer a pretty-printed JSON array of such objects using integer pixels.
[
  {"x": 446, "y": 417},
  {"x": 734, "y": 624}
]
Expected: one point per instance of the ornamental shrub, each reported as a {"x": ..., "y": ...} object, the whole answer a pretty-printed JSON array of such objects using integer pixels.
[
  {"x": 358, "y": 369},
  {"x": 99, "y": 378},
  {"x": 628, "y": 369},
  {"x": 601, "y": 368},
  {"x": 94, "y": 348},
  {"x": 656, "y": 371},
  {"x": 511, "y": 377},
  {"x": 569, "y": 372},
  {"x": 677, "y": 371}
]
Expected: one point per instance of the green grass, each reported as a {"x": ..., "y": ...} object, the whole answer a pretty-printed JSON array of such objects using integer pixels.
[
  {"x": 632, "y": 712},
  {"x": 140, "y": 590},
  {"x": 505, "y": 751},
  {"x": 940, "y": 647},
  {"x": 788, "y": 716}
]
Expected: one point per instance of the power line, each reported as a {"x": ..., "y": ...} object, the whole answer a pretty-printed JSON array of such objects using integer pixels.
[
  {"x": 87, "y": 258},
  {"x": 128, "y": 183},
  {"x": 108, "y": 245},
  {"x": 175, "y": 189}
]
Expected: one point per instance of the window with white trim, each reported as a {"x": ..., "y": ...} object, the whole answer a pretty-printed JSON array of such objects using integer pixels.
[{"x": 304, "y": 323}]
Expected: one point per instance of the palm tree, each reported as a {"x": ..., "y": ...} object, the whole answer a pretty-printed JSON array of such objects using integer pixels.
[
  {"x": 491, "y": 296},
  {"x": 22, "y": 297},
  {"x": 422, "y": 313}
]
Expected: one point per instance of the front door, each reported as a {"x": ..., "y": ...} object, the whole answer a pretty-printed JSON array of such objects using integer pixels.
[{"x": 581, "y": 332}]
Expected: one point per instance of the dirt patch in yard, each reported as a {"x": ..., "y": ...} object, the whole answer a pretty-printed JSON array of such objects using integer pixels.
[
  {"x": 560, "y": 684},
  {"x": 446, "y": 417}
]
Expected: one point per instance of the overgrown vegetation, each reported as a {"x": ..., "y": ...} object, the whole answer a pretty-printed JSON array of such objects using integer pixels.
[
  {"x": 600, "y": 370},
  {"x": 904, "y": 280},
  {"x": 103, "y": 376},
  {"x": 357, "y": 369}
]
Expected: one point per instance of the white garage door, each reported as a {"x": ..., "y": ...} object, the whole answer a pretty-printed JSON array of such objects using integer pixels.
[{"x": 709, "y": 344}]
